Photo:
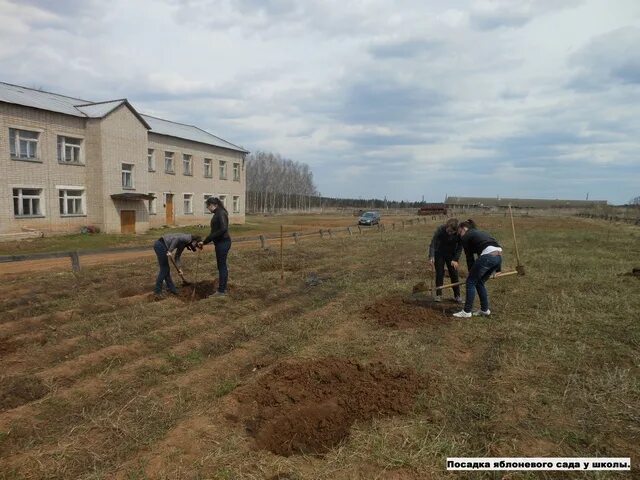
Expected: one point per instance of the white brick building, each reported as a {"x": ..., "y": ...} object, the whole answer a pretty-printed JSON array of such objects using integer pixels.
[{"x": 67, "y": 162}]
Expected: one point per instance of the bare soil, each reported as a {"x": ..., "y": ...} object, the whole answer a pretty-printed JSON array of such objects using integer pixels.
[
  {"x": 202, "y": 290},
  {"x": 401, "y": 312},
  {"x": 309, "y": 407},
  {"x": 16, "y": 391}
]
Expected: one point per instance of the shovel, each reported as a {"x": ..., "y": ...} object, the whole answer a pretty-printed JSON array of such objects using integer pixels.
[
  {"x": 497, "y": 275},
  {"x": 184, "y": 280}
]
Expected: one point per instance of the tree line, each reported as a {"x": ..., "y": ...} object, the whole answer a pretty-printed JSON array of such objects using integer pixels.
[
  {"x": 278, "y": 184},
  {"x": 275, "y": 183}
]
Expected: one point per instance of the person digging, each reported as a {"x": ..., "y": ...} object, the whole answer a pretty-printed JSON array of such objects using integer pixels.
[
  {"x": 445, "y": 249},
  {"x": 489, "y": 262},
  {"x": 221, "y": 239},
  {"x": 165, "y": 247}
]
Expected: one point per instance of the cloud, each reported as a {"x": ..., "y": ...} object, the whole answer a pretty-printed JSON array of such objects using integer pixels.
[
  {"x": 607, "y": 60},
  {"x": 409, "y": 48},
  {"x": 494, "y": 14},
  {"x": 402, "y": 99}
]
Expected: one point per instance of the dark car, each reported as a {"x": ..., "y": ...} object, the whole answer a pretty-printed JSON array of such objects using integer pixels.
[{"x": 369, "y": 218}]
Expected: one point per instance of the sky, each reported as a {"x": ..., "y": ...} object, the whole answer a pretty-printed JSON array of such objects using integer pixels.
[{"x": 404, "y": 99}]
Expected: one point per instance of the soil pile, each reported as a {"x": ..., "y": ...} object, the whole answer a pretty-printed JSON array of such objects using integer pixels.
[
  {"x": 202, "y": 290},
  {"x": 134, "y": 291},
  {"x": 398, "y": 312},
  {"x": 309, "y": 406},
  {"x": 16, "y": 391}
]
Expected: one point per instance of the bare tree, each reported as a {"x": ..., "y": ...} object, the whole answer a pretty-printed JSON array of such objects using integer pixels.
[{"x": 277, "y": 184}]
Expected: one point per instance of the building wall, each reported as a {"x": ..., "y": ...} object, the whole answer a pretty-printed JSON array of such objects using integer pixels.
[
  {"x": 123, "y": 140},
  {"x": 197, "y": 184},
  {"x": 45, "y": 173},
  {"x": 107, "y": 143}
]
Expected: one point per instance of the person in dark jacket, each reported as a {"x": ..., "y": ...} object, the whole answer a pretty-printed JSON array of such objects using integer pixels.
[
  {"x": 445, "y": 249},
  {"x": 164, "y": 248},
  {"x": 489, "y": 261},
  {"x": 219, "y": 235}
]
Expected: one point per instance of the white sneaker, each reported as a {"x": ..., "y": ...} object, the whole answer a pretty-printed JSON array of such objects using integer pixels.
[
  {"x": 438, "y": 298},
  {"x": 462, "y": 314},
  {"x": 482, "y": 313}
]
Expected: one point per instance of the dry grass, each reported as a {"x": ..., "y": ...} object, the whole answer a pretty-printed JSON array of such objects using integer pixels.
[{"x": 136, "y": 390}]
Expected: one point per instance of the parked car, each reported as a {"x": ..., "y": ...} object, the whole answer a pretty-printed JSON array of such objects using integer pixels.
[{"x": 369, "y": 218}]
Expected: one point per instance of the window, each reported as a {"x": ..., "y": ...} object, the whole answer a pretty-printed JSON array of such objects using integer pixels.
[
  {"x": 152, "y": 204},
  {"x": 186, "y": 164},
  {"x": 127, "y": 175},
  {"x": 27, "y": 202},
  {"x": 23, "y": 144},
  {"x": 236, "y": 172},
  {"x": 151, "y": 160},
  {"x": 206, "y": 210},
  {"x": 69, "y": 150},
  {"x": 168, "y": 162},
  {"x": 208, "y": 168},
  {"x": 188, "y": 204},
  {"x": 236, "y": 204},
  {"x": 223, "y": 170},
  {"x": 223, "y": 199},
  {"x": 71, "y": 201}
]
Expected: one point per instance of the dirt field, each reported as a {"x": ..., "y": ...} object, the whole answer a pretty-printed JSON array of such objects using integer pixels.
[{"x": 335, "y": 373}]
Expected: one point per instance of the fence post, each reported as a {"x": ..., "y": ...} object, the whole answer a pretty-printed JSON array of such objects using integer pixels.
[
  {"x": 263, "y": 242},
  {"x": 75, "y": 261}
]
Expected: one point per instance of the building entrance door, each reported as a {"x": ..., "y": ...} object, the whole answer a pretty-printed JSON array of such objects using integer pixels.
[
  {"x": 171, "y": 218},
  {"x": 127, "y": 221}
]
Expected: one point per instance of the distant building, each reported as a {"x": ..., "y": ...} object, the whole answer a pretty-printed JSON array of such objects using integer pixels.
[
  {"x": 499, "y": 202},
  {"x": 433, "y": 209},
  {"x": 67, "y": 162}
]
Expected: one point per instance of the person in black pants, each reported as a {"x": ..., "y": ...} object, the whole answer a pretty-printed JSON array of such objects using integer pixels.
[
  {"x": 445, "y": 249},
  {"x": 219, "y": 235},
  {"x": 164, "y": 248},
  {"x": 489, "y": 261}
]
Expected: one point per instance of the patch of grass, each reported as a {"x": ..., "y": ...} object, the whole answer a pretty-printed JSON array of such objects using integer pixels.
[
  {"x": 554, "y": 372},
  {"x": 224, "y": 387}
]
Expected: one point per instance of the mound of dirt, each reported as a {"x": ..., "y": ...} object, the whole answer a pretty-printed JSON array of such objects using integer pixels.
[
  {"x": 134, "y": 291},
  {"x": 16, "y": 391},
  {"x": 202, "y": 290},
  {"x": 399, "y": 312},
  {"x": 309, "y": 406}
]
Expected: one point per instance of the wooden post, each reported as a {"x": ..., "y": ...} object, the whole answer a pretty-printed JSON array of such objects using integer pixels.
[
  {"x": 263, "y": 242},
  {"x": 75, "y": 262},
  {"x": 281, "y": 253}
]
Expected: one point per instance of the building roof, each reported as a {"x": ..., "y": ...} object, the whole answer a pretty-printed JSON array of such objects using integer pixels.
[
  {"x": 521, "y": 202},
  {"x": 188, "y": 132},
  {"x": 77, "y": 107}
]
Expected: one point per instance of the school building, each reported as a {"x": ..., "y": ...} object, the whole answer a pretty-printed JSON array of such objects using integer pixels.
[{"x": 66, "y": 163}]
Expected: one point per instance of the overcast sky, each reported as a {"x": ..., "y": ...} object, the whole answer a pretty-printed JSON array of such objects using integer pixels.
[{"x": 535, "y": 98}]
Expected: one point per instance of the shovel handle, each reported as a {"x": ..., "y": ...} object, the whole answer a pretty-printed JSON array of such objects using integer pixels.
[
  {"x": 498, "y": 275},
  {"x": 176, "y": 267}
]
